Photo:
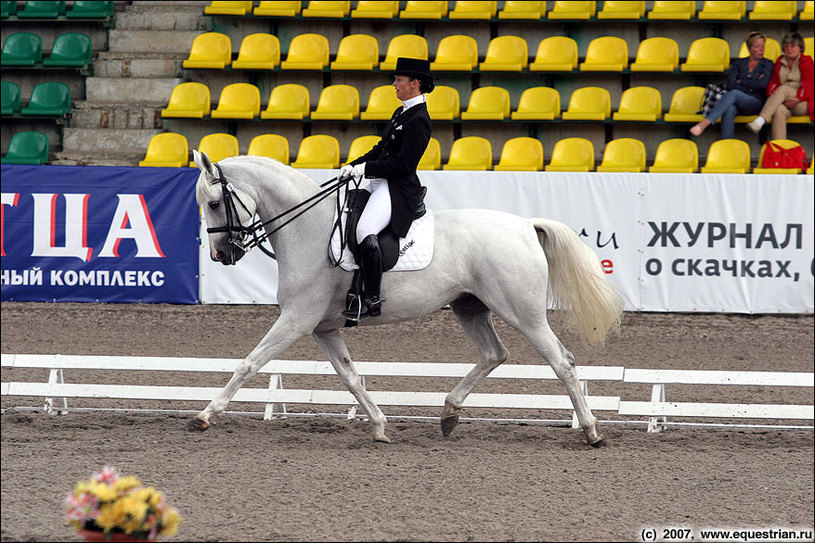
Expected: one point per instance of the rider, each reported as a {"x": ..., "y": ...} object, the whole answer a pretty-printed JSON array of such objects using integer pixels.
[{"x": 390, "y": 167}]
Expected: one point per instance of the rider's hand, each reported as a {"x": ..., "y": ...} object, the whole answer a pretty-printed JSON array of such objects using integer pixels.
[
  {"x": 346, "y": 172},
  {"x": 359, "y": 171}
]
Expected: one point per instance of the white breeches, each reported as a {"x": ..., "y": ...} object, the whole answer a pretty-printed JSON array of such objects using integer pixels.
[{"x": 377, "y": 213}]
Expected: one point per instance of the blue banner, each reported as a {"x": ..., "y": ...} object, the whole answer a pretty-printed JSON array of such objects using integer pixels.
[{"x": 99, "y": 234}]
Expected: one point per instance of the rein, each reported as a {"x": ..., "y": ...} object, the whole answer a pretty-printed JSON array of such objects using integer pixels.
[{"x": 241, "y": 231}]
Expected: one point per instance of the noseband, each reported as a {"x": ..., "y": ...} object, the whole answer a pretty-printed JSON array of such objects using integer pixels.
[{"x": 238, "y": 232}]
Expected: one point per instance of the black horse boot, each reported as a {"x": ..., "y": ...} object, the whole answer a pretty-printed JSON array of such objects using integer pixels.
[{"x": 371, "y": 267}]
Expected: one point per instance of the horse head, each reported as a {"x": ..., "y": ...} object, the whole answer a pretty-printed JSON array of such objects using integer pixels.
[{"x": 228, "y": 210}]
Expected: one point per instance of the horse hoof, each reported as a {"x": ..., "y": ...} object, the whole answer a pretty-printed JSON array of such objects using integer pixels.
[
  {"x": 448, "y": 425},
  {"x": 599, "y": 443},
  {"x": 197, "y": 425},
  {"x": 382, "y": 439}
]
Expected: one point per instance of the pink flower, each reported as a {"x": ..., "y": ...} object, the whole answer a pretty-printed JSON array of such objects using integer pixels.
[
  {"x": 108, "y": 476},
  {"x": 82, "y": 508}
]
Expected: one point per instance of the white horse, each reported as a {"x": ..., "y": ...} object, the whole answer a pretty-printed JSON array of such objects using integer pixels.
[{"x": 485, "y": 262}]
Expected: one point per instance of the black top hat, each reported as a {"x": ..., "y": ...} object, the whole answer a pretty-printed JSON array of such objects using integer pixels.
[{"x": 413, "y": 67}]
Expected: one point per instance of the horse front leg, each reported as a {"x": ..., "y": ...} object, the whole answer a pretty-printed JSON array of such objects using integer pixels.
[
  {"x": 283, "y": 333},
  {"x": 334, "y": 346}
]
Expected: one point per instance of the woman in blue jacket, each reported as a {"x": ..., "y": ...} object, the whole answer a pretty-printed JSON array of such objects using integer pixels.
[{"x": 745, "y": 86}]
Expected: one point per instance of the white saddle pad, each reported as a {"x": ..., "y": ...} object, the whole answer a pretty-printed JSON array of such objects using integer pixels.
[{"x": 415, "y": 250}]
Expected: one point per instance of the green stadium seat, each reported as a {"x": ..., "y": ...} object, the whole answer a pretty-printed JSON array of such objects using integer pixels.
[
  {"x": 8, "y": 8},
  {"x": 90, "y": 9},
  {"x": 10, "y": 98},
  {"x": 42, "y": 10},
  {"x": 71, "y": 49},
  {"x": 22, "y": 49},
  {"x": 29, "y": 147},
  {"x": 49, "y": 99}
]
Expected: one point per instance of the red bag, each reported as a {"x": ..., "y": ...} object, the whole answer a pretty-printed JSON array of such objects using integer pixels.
[{"x": 776, "y": 156}]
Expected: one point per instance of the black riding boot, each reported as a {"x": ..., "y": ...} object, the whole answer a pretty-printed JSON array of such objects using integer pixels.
[{"x": 371, "y": 267}]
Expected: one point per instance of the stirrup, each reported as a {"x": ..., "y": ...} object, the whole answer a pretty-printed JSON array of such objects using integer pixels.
[{"x": 359, "y": 308}]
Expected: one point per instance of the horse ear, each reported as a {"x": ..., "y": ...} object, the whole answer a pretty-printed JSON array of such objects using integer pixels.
[{"x": 204, "y": 163}]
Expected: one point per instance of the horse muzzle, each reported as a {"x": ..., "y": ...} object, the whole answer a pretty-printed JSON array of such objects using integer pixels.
[{"x": 229, "y": 257}]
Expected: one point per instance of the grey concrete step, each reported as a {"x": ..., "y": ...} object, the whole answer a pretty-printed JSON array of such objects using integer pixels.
[
  {"x": 91, "y": 142},
  {"x": 85, "y": 115},
  {"x": 151, "y": 41},
  {"x": 130, "y": 90},
  {"x": 118, "y": 65},
  {"x": 163, "y": 16}
]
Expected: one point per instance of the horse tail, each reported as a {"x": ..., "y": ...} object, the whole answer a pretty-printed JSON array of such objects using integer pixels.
[{"x": 577, "y": 282}]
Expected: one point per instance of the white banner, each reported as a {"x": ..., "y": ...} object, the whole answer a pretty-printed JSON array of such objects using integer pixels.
[{"x": 669, "y": 242}]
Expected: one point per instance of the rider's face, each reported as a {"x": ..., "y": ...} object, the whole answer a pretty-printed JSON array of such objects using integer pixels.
[{"x": 405, "y": 87}]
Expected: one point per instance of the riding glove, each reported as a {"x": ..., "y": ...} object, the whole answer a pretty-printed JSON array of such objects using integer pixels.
[{"x": 346, "y": 171}]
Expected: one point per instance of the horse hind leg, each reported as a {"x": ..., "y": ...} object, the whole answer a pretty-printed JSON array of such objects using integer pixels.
[
  {"x": 332, "y": 343},
  {"x": 476, "y": 320},
  {"x": 562, "y": 362}
]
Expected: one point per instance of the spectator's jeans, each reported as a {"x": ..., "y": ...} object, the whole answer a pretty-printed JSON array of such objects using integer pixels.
[{"x": 734, "y": 102}]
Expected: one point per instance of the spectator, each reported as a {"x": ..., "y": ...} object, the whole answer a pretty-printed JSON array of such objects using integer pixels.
[
  {"x": 790, "y": 90},
  {"x": 745, "y": 86}
]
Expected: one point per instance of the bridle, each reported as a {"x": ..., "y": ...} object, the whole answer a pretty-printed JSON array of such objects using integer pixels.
[{"x": 238, "y": 233}]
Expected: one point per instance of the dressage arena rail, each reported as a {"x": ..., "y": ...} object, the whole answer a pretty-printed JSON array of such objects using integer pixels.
[{"x": 56, "y": 391}]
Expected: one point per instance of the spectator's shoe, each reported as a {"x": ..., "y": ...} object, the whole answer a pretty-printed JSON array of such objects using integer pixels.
[{"x": 756, "y": 124}]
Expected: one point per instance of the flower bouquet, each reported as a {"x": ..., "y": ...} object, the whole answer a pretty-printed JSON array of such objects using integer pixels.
[{"x": 109, "y": 507}]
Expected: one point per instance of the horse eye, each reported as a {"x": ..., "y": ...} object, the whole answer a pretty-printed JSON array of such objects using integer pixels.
[{"x": 214, "y": 204}]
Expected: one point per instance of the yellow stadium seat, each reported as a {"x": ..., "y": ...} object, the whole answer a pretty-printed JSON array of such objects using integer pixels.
[
  {"x": 405, "y": 45},
  {"x": 282, "y": 8},
  {"x": 382, "y": 102},
  {"x": 218, "y": 146},
  {"x": 227, "y": 7},
  {"x": 521, "y": 154},
  {"x": 422, "y": 9},
  {"x": 337, "y": 102},
  {"x": 258, "y": 52},
  {"x": 456, "y": 53},
  {"x": 589, "y": 104},
  {"x": 772, "y": 49},
  {"x": 166, "y": 150},
  {"x": 209, "y": 50},
  {"x": 723, "y": 10},
  {"x": 686, "y": 103},
  {"x": 555, "y": 54},
  {"x": 319, "y": 151},
  {"x": 606, "y": 54},
  {"x": 357, "y": 52},
  {"x": 375, "y": 9},
  {"x": 776, "y": 10},
  {"x": 335, "y": 9},
  {"x": 639, "y": 104},
  {"x": 288, "y": 101},
  {"x": 443, "y": 103},
  {"x": 431, "y": 159},
  {"x": 622, "y": 9},
  {"x": 728, "y": 156},
  {"x": 360, "y": 146},
  {"x": 676, "y": 155},
  {"x": 807, "y": 15},
  {"x": 470, "y": 153},
  {"x": 487, "y": 103},
  {"x": 786, "y": 144},
  {"x": 538, "y": 103},
  {"x": 656, "y": 55},
  {"x": 506, "y": 54},
  {"x": 573, "y": 10},
  {"x": 572, "y": 155},
  {"x": 523, "y": 9},
  {"x": 623, "y": 155},
  {"x": 707, "y": 55},
  {"x": 809, "y": 45},
  {"x": 190, "y": 100},
  {"x": 677, "y": 10},
  {"x": 307, "y": 52},
  {"x": 468, "y": 9},
  {"x": 238, "y": 101},
  {"x": 270, "y": 145}
]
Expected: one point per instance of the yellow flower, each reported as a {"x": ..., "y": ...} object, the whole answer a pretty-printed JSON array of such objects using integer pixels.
[
  {"x": 102, "y": 491},
  {"x": 110, "y": 517},
  {"x": 126, "y": 483},
  {"x": 170, "y": 522}
]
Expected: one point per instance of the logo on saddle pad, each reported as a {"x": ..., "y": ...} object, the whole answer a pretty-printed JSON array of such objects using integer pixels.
[{"x": 415, "y": 251}]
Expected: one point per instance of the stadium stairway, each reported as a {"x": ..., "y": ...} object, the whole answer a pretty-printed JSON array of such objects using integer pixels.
[{"x": 131, "y": 83}]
